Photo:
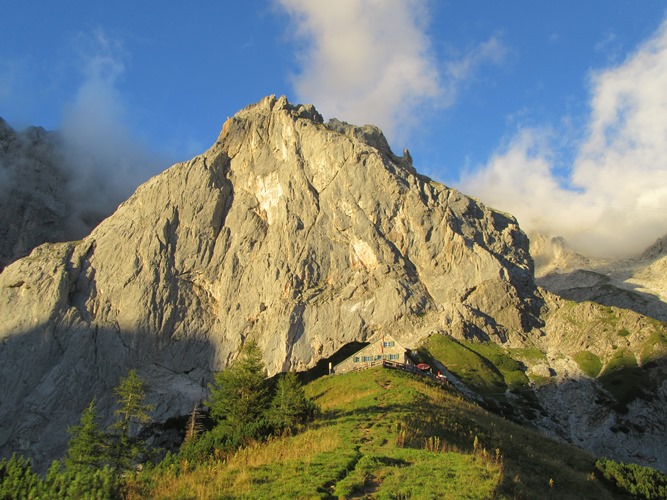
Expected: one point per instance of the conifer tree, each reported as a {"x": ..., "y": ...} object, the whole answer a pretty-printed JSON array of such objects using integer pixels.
[
  {"x": 126, "y": 446},
  {"x": 239, "y": 395},
  {"x": 86, "y": 446},
  {"x": 290, "y": 406}
]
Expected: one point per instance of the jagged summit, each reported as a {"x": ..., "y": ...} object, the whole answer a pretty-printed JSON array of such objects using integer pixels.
[{"x": 367, "y": 134}]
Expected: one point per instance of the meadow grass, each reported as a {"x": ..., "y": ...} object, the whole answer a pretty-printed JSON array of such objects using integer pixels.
[
  {"x": 588, "y": 362},
  {"x": 388, "y": 434},
  {"x": 485, "y": 366}
]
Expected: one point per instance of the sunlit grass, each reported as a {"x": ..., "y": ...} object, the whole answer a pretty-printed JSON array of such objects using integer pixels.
[
  {"x": 486, "y": 367},
  {"x": 387, "y": 434}
]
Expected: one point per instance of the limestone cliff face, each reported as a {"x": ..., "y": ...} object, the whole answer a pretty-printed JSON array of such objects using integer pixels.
[{"x": 299, "y": 234}]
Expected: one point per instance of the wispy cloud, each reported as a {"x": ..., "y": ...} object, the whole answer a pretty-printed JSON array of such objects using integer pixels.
[
  {"x": 13, "y": 98},
  {"x": 105, "y": 160},
  {"x": 613, "y": 198},
  {"x": 372, "y": 61},
  {"x": 458, "y": 71}
]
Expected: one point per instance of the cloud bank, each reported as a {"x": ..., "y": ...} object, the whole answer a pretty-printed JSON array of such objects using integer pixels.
[
  {"x": 372, "y": 62},
  {"x": 612, "y": 199}
]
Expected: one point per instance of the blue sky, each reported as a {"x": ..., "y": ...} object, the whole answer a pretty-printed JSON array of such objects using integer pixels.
[{"x": 553, "y": 111}]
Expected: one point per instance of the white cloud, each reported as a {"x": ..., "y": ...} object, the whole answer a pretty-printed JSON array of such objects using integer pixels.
[
  {"x": 106, "y": 162},
  {"x": 372, "y": 62},
  {"x": 614, "y": 199}
]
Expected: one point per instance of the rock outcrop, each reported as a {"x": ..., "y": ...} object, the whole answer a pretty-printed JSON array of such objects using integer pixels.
[
  {"x": 300, "y": 234},
  {"x": 33, "y": 202},
  {"x": 607, "y": 387}
]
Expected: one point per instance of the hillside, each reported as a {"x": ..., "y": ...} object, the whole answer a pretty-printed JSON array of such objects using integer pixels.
[
  {"x": 388, "y": 434},
  {"x": 597, "y": 379}
]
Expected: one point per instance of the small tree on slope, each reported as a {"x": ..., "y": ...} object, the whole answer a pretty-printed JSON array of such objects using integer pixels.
[
  {"x": 86, "y": 446},
  {"x": 126, "y": 447},
  {"x": 290, "y": 406},
  {"x": 239, "y": 395}
]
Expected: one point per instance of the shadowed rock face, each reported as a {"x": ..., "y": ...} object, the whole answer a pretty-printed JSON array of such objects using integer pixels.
[
  {"x": 302, "y": 235},
  {"x": 33, "y": 204}
]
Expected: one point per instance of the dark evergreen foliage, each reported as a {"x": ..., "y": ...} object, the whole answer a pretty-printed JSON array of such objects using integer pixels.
[
  {"x": 95, "y": 461},
  {"x": 86, "y": 447},
  {"x": 240, "y": 395},
  {"x": 642, "y": 482},
  {"x": 125, "y": 446},
  {"x": 290, "y": 406}
]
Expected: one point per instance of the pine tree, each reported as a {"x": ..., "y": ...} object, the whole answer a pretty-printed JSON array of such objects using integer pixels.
[
  {"x": 86, "y": 446},
  {"x": 290, "y": 406},
  {"x": 239, "y": 395},
  {"x": 126, "y": 447}
]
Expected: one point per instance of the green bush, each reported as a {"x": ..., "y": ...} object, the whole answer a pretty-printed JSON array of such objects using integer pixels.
[
  {"x": 639, "y": 481},
  {"x": 17, "y": 480},
  {"x": 290, "y": 406}
]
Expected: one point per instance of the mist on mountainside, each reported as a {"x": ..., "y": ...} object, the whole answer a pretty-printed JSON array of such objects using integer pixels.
[{"x": 57, "y": 186}]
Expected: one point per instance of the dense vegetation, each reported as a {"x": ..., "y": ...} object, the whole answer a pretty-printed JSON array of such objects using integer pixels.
[
  {"x": 641, "y": 482},
  {"x": 96, "y": 460},
  {"x": 103, "y": 464}
]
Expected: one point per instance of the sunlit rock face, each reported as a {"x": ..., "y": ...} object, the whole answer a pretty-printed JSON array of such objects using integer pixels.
[{"x": 300, "y": 234}]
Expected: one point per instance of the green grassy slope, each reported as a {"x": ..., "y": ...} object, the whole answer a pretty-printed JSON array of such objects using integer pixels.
[{"x": 388, "y": 434}]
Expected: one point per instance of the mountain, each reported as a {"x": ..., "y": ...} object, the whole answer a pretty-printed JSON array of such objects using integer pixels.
[
  {"x": 41, "y": 197},
  {"x": 33, "y": 208},
  {"x": 637, "y": 283},
  {"x": 306, "y": 237},
  {"x": 300, "y": 234}
]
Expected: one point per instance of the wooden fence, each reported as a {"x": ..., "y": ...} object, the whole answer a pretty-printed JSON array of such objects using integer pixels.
[{"x": 393, "y": 365}]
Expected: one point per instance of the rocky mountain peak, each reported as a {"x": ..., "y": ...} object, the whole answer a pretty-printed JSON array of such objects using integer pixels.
[
  {"x": 300, "y": 234},
  {"x": 656, "y": 251}
]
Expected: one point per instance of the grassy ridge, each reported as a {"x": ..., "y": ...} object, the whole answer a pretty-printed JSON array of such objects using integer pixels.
[
  {"x": 486, "y": 367},
  {"x": 386, "y": 434}
]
